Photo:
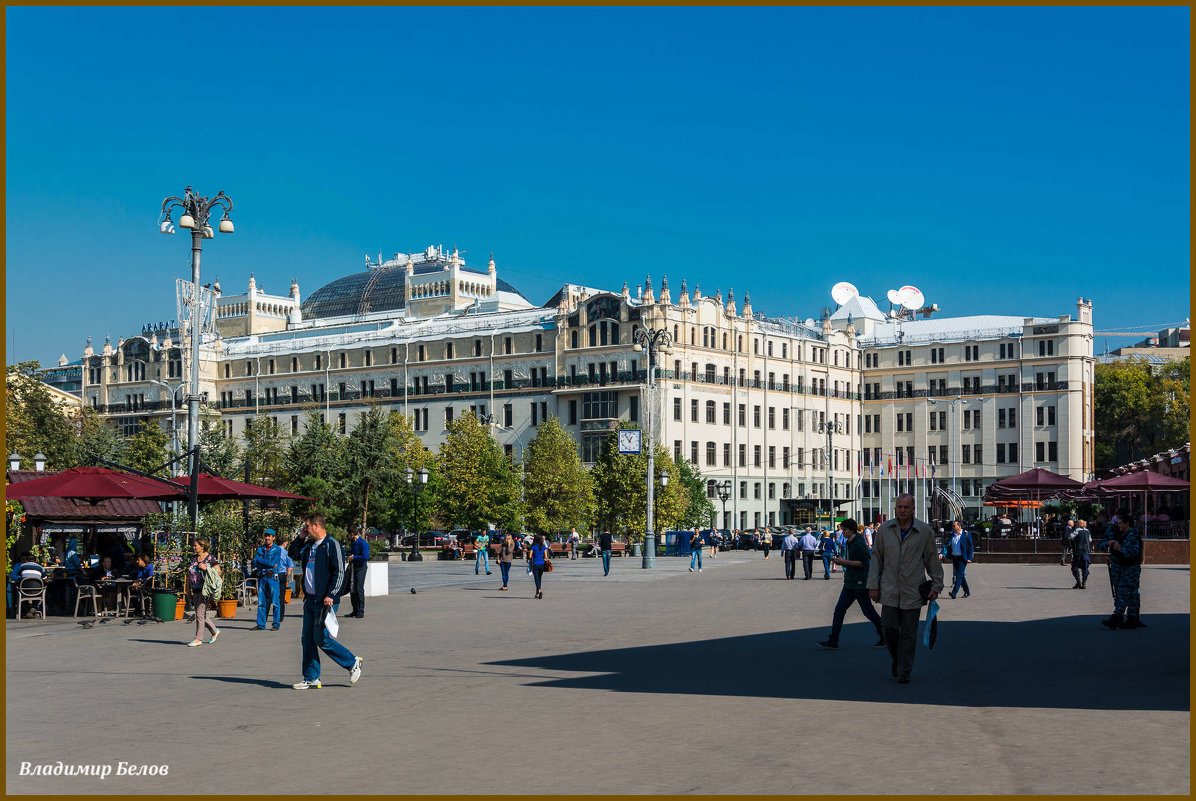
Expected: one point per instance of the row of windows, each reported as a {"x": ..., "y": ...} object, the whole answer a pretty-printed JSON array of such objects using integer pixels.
[
  {"x": 971, "y": 353},
  {"x": 817, "y": 418}
]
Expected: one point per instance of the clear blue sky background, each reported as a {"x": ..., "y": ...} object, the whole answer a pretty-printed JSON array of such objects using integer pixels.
[{"x": 1003, "y": 160}]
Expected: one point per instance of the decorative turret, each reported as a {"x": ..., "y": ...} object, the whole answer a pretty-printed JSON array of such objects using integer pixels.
[
  {"x": 731, "y": 302},
  {"x": 747, "y": 305},
  {"x": 665, "y": 297},
  {"x": 490, "y": 267},
  {"x": 252, "y": 285},
  {"x": 216, "y": 286},
  {"x": 697, "y": 293},
  {"x": 626, "y": 293},
  {"x": 684, "y": 299},
  {"x": 649, "y": 298},
  {"x": 718, "y": 297},
  {"x": 826, "y": 327},
  {"x": 62, "y": 361},
  {"x": 107, "y": 345},
  {"x": 88, "y": 351},
  {"x": 295, "y": 290},
  {"x": 410, "y": 266}
]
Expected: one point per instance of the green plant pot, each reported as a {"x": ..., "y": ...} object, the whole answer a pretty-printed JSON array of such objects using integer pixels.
[{"x": 164, "y": 603}]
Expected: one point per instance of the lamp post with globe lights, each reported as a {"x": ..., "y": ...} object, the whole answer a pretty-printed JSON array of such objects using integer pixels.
[
  {"x": 195, "y": 213},
  {"x": 724, "y": 494},
  {"x": 652, "y": 341},
  {"x": 416, "y": 489}
]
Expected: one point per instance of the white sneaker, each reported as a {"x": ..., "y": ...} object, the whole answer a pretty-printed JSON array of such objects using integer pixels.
[
  {"x": 355, "y": 671},
  {"x": 306, "y": 684},
  {"x": 699, "y": 570},
  {"x": 691, "y": 570}
]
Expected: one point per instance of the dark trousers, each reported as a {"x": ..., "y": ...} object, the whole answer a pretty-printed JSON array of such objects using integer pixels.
[
  {"x": 538, "y": 575},
  {"x": 959, "y": 567},
  {"x": 807, "y": 563},
  {"x": 766, "y": 547},
  {"x": 1079, "y": 567},
  {"x": 846, "y": 598},
  {"x": 283, "y": 584},
  {"x": 901, "y": 636},
  {"x": 357, "y": 589},
  {"x": 790, "y": 564}
]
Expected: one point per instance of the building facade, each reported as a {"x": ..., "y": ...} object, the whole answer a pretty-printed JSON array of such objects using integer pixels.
[{"x": 792, "y": 414}]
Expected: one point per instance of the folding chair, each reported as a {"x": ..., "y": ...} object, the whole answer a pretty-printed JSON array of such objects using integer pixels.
[{"x": 31, "y": 590}]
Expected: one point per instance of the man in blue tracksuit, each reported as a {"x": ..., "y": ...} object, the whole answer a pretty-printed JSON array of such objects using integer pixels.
[
  {"x": 959, "y": 549},
  {"x": 266, "y": 561},
  {"x": 323, "y": 573},
  {"x": 359, "y": 562}
]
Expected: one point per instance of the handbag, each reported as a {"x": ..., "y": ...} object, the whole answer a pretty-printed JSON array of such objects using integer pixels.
[{"x": 547, "y": 565}]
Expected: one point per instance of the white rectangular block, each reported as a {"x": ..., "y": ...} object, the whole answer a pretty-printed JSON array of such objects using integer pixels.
[{"x": 377, "y": 580}]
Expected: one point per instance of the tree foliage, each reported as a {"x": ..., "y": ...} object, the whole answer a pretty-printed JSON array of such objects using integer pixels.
[
  {"x": 621, "y": 490},
  {"x": 558, "y": 490},
  {"x": 398, "y": 506},
  {"x": 700, "y": 510},
  {"x": 218, "y": 453},
  {"x": 479, "y": 484},
  {"x": 147, "y": 449},
  {"x": 371, "y": 458},
  {"x": 1139, "y": 412},
  {"x": 315, "y": 467},
  {"x": 34, "y": 422},
  {"x": 97, "y": 440},
  {"x": 264, "y": 452}
]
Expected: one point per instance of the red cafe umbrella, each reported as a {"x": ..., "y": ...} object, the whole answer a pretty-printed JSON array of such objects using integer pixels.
[
  {"x": 93, "y": 484},
  {"x": 1036, "y": 480},
  {"x": 215, "y": 488},
  {"x": 1144, "y": 481}
]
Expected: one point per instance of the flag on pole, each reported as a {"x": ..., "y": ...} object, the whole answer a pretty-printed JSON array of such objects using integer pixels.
[
  {"x": 870, "y": 464},
  {"x": 932, "y": 465}
]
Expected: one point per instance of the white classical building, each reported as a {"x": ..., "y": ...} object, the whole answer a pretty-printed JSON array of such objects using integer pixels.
[{"x": 790, "y": 413}]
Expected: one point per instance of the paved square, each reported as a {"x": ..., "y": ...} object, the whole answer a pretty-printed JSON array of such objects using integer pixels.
[{"x": 643, "y": 682}]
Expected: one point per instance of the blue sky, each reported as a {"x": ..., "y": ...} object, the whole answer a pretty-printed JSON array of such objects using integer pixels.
[{"x": 1004, "y": 160}]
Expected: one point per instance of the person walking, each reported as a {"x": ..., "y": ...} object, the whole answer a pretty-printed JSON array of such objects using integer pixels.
[
  {"x": 1125, "y": 571},
  {"x": 855, "y": 578},
  {"x": 266, "y": 561},
  {"x": 358, "y": 564},
  {"x": 323, "y": 573},
  {"x": 789, "y": 551},
  {"x": 605, "y": 541},
  {"x": 574, "y": 542},
  {"x": 202, "y": 577},
  {"x": 959, "y": 549},
  {"x": 1064, "y": 541},
  {"x": 481, "y": 557},
  {"x": 1080, "y": 543},
  {"x": 506, "y": 554},
  {"x": 808, "y": 544},
  {"x": 538, "y": 557},
  {"x": 695, "y": 551},
  {"x": 286, "y": 570},
  {"x": 903, "y": 554},
  {"x": 827, "y": 546},
  {"x": 295, "y": 551},
  {"x": 765, "y": 540},
  {"x": 840, "y": 549}
]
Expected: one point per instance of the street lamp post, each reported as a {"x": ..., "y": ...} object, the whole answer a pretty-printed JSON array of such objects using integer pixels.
[
  {"x": 653, "y": 341},
  {"x": 196, "y": 211},
  {"x": 953, "y": 438},
  {"x": 724, "y": 494},
  {"x": 830, "y": 428},
  {"x": 174, "y": 431},
  {"x": 409, "y": 474}
]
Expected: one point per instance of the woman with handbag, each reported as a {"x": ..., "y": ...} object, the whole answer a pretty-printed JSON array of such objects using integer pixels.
[
  {"x": 203, "y": 579},
  {"x": 539, "y": 562},
  {"x": 506, "y": 554}
]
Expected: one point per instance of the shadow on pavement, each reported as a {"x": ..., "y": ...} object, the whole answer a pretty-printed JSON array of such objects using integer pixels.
[
  {"x": 276, "y": 685},
  {"x": 1056, "y": 663},
  {"x": 161, "y": 642}
]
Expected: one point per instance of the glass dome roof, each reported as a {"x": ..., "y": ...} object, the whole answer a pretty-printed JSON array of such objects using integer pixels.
[{"x": 376, "y": 290}]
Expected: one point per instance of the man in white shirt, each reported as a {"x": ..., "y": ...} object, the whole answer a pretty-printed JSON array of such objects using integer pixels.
[
  {"x": 808, "y": 544},
  {"x": 868, "y": 535}
]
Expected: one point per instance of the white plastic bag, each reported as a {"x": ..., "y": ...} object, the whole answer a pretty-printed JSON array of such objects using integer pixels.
[{"x": 331, "y": 624}]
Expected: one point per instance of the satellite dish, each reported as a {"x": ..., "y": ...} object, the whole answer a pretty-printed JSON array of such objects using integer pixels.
[
  {"x": 911, "y": 297},
  {"x": 843, "y": 292},
  {"x": 810, "y": 323},
  {"x": 894, "y": 297}
]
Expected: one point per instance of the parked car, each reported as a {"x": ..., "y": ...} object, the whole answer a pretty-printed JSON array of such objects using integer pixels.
[{"x": 427, "y": 539}]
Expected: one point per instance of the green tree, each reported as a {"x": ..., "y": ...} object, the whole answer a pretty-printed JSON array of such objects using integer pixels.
[
  {"x": 147, "y": 450},
  {"x": 399, "y": 506},
  {"x": 34, "y": 421},
  {"x": 218, "y": 452},
  {"x": 479, "y": 484},
  {"x": 699, "y": 510},
  {"x": 1139, "y": 412},
  {"x": 264, "y": 452},
  {"x": 316, "y": 467},
  {"x": 97, "y": 440},
  {"x": 621, "y": 490},
  {"x": 371, "y": 456},
  {"x": 558, "y": 490}
]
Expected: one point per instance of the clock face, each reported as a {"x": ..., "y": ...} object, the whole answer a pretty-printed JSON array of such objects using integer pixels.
[{"x": 629, "y": 441}]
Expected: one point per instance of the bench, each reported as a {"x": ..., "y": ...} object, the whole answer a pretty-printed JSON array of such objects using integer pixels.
[{"x": 558, "y": 549}]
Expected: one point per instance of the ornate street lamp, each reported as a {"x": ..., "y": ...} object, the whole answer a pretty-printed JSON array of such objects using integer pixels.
[
  {"x": 39, "y": 462},
  {"x": 196, "y": 212},
  {"x": 14, "y": 461},
  {"x": 416, "y": 489},
  {"x": 724, "y": 494},
  {"x": 652, "y": 341}
]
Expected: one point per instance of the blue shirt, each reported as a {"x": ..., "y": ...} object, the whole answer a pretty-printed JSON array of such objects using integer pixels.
[
  {"x": 360, "y": 550},
  {"x": 266, "y": 560},
  {"x": 24, "y": 570}
]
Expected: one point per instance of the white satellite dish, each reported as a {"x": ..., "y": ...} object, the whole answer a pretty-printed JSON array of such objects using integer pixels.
[
  {"x": 811, "y": 323},
  {"x": 843, "y": 292},
  {"x": 911, "y": 297},
  {"x": 894, "y": 297}
]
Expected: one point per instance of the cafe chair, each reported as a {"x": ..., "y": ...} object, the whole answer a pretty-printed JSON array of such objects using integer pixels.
[
  {"x": 30, "y": 591},
  {"x": 89, "y": 593},
  {"x": 248, "y": 592}
]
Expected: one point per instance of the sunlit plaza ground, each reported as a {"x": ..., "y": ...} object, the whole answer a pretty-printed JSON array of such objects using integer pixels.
[{"x": 656, "y": 681}]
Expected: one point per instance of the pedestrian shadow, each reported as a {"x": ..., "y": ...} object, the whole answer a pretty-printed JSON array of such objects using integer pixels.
[
  {"x": 268, "y": 683},
  {"x": 1055, "y": 663},
  {"x": 160, "y": 642}
]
